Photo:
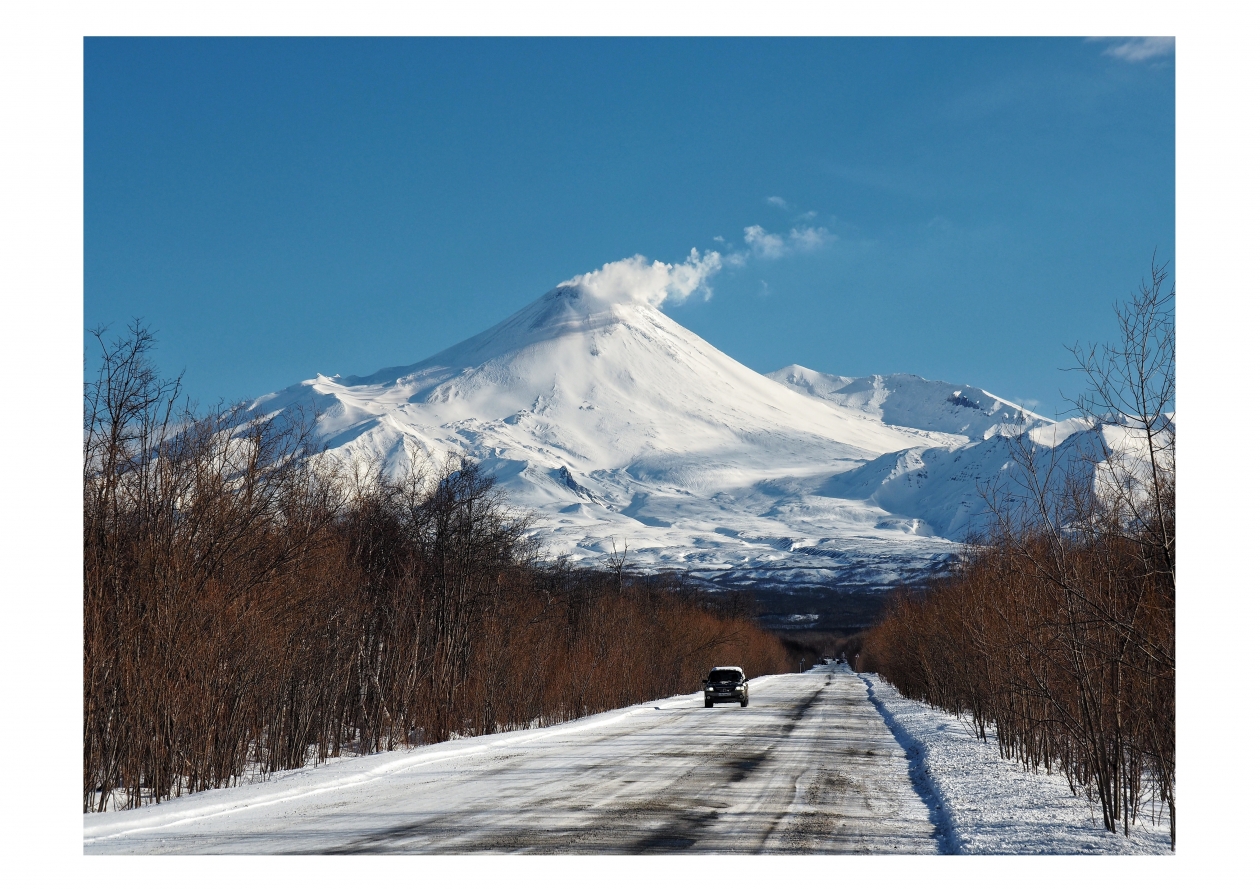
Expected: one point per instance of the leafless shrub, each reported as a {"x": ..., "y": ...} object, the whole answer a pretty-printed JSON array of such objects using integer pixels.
[
  {"x": 1057, "y": 632},
  {"x": 248, "y": 608}
]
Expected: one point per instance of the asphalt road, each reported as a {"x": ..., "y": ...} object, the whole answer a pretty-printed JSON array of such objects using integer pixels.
[{"x": 808, "y": 767}]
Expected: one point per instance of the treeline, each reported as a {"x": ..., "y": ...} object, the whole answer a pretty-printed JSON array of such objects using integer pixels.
[
  {"x": 1056, "y": 633},
  {"x": 250, "y": 606},
  {"x": 1069, "y": 671}
]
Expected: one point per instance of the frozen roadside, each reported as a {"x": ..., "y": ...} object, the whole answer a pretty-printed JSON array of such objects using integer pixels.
[
  {"x": 990, "y": 805},
  {"x": 809, "y": 766},
  {"x": 335, "y": 774},
  {"x": 282, "y": 789}
]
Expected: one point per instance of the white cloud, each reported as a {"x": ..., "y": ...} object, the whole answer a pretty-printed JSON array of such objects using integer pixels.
[
  {"x": 1139, "y": 49},
  {"x": 635, "y": 280},
  {"x": 776, "y": 201},
  {"x": 807, "y": 237},
  {"x": 802, "y": 239},
  {"x": 764, "y": 244}
]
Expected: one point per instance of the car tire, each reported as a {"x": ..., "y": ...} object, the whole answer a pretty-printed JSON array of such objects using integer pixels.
[
  {"x": 744, "y": 702},
  {"x": 708, "y": 703}
]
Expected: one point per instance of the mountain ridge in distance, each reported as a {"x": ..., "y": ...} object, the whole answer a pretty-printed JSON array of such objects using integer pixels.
[{"x": 617, "y": 426}]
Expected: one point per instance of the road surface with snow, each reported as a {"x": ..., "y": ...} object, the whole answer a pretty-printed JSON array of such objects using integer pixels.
[{"x": 810, "y": 766}]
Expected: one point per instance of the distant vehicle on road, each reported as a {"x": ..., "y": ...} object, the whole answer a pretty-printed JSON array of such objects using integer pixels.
[{"x": 726, "y": 685}]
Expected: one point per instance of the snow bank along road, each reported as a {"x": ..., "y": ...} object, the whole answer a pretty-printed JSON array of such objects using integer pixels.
[{"x": 809, "y": 766}]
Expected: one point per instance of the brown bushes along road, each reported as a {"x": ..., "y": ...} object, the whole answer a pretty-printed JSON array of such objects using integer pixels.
[
  {"x": 247, "y": 609},
  {"x": 1057, "y": 630}
]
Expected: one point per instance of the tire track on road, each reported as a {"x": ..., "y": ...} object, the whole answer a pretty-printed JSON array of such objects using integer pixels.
[{"x": 809, "y": 766}]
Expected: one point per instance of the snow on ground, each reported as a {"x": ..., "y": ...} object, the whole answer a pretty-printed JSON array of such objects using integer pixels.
[
  {"x": 809, "y": 766},
  {"x": 822, "y": 762},
  {"x": 338, "y": 774},
  {"x": 990, "y": 805}
]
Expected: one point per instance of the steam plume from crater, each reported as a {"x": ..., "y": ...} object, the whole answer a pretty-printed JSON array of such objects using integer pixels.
[{"x": 635, "y": 280}]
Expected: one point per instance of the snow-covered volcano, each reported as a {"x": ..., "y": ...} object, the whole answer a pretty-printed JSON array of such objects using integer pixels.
[{"x": 617, "y": 426}]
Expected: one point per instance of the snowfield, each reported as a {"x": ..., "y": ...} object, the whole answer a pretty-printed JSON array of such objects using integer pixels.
[
  {"x": 614, "y": 425},
  {"x": 827, "y": 761}
]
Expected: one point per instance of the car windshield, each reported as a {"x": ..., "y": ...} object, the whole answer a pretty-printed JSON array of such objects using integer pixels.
[{"x": 725, "y": 676}]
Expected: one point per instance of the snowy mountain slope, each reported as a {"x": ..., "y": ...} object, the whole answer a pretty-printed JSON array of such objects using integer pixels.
[
  {"x": 614, "y": 424},
  {"x": 911, "y": 401},
  {"x": 602, "y": 385},
  {"x": 944, "y": 488}
]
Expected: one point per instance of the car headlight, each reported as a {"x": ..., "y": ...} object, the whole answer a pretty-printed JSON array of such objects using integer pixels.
[{"x": 710, "y": 688}]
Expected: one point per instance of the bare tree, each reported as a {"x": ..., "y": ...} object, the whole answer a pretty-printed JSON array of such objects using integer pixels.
[
  {"x": 249, "y": 607},
  {"x": 1058, "y": 628},
  {"x": 1133, "y": 387},
  {"x": 617, "y": 560}
]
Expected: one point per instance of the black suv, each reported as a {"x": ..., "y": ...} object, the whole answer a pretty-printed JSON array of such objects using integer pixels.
[{"x": 726, "y": 685}]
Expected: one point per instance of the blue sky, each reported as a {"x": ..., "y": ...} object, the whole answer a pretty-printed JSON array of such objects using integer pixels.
[{"x": 963, "y": 208}]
